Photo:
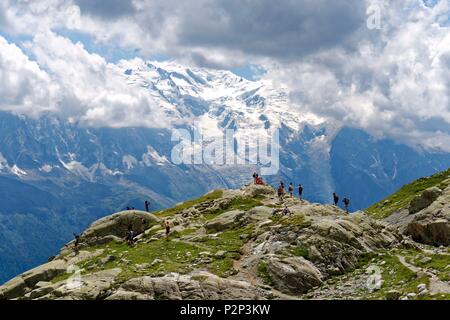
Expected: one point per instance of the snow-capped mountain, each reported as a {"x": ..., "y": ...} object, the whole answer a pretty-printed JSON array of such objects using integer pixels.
[{"x": 56, "y": 176}]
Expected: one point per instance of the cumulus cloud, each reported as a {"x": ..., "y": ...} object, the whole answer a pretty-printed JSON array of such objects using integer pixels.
[
  {"x": 67, "y": 80},
  {"x": 24, "y": 86},
  {"x": 396, "y": 84},
  {"x": 111, "y": 9},
  {"x": 193, "y": 29},
  {"x": 393, "y": 82}
]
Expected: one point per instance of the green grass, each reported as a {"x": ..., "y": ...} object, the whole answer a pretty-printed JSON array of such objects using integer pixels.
[
  {"x": 264, "y": 274},
  {"x": 395, "y": 275},
  {"x": 402, "y": 198},
  {"x": 299, "y": 251},
  {"x": 239, "y": 203},
  {"x": 190, "y": 203},
  {"x": 439, "y": 262},
  {"x": 175, "y": 255},
  {"x": 231, "y": 242},
  {"x": 298, "y": 220}
]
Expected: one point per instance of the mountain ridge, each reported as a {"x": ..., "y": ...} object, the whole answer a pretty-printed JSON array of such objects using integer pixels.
[{"x": 240, "y": 244}]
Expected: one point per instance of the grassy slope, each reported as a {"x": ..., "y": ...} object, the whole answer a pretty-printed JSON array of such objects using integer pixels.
[
  {"x": 177, "y": 254},
  {"x": 403, "y": 197},
  {"x": 216, "y": 194}
]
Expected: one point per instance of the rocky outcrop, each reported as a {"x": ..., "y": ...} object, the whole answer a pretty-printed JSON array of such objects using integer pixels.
[
  {"x": 117, "y": 224},
  {"x": 427, "y": 218},
  {"x": 199, "y": 286},
  {"x": 225, "y": 221},
  {"x": 258, "y": 191},
  {"x": 424, "y": 200},
  {"x": 39, "y": 278},
  {"x": 429, "y": 229},
  {"x": 114, "y": 228},
  {"x": 432, "y": 224},
  {"x": 294, "y": 275}
]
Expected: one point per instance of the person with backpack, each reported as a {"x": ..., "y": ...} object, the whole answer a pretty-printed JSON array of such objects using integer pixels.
[
  {"x": 335, "y": 199},
  {"x": 255, "y": 177},
  {"x": 147, "y": 206},
  {"x": 291, "y": 190},
  {"x": 129, "y": 238},
  {"x": 167, "y": 226},
  {"x": 286, "y": 211},
  {"x": 77, "y": 242},
  {"x": 259, "y": 181},
  {"x": 346, "y": 202},
  {"x": 281, "y": 192},
  {"x": 300, "y": 192}
]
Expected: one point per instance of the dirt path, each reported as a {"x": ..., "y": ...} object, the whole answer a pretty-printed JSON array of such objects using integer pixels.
[
  {"x": 247, "y": 270},
  {"x": 436, "y": 285}
]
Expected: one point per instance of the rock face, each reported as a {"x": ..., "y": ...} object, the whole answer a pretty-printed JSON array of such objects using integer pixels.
[
  {"x": 36, "y": 282},
  {"x": 117, "y": 224},
  {"x": 114, "y": 228},
  {"x": 294, "y": 275},
  {"x": 427, "y": 218},
  {"x": 432, "y": 224},
  {"x": 200, "y": 286},
  {"x": 424, "y": 200},
  {"x": 255, "y": 191},
  {"x": 225, "y": 221}
]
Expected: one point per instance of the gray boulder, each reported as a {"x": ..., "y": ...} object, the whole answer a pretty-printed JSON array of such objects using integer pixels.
[
  {"x": 199, "y": 286},
  {"x": 117, "y": 225},
  {"x": 432, "y": 224},
  {"x": 255, "y": 191},
  {"x": 258, "y": 214},
  {"x": 424, "y": 200},
  {"x": 225, "y": 221},
  {"x": 294, "y": 275}
]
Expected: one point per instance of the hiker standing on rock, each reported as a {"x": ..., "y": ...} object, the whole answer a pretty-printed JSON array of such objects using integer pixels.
[
  {"x": 291, "y": 190},
  {"x": 147, "y": 206},
  {"x": 300, "y": 192},
  {"x": 130, "y": 235},
  {"x": 167, "y": 226},
  {"x": 281, "y": 192},
  {"x": 286, "y": 211},
  {"x": 346, "y": 202},
  {"x": 255, "y": 177},
  {"x": 335, "y": 199},
  {"x": 77, "y": 242}
]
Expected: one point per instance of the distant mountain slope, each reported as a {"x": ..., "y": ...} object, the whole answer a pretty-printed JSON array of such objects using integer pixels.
[{"x": 368, "y": 170}]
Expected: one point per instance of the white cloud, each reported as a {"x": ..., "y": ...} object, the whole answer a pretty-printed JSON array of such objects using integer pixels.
[
  {"x": 68, "y": 80},
  {"x": 24, "y": 86},
  {"x": 393, "y": 82}
]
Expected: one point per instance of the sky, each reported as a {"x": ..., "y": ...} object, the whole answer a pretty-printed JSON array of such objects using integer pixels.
[{"x": 379, "y": 65}]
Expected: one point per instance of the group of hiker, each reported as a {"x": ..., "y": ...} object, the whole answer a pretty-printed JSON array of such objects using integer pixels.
[
  {"x": 131, "y": 234},
  {"x": 281, "y": 191},
  {"x": 146, "y": 205}
]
